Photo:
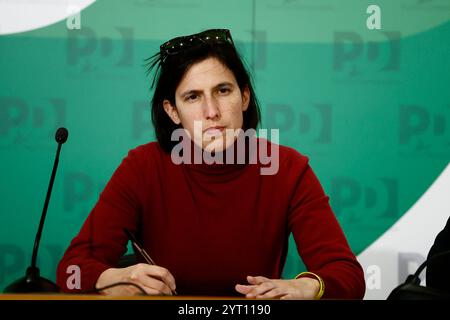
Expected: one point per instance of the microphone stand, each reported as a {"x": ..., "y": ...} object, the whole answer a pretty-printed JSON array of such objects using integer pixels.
[{"x": 33, "y": 282}]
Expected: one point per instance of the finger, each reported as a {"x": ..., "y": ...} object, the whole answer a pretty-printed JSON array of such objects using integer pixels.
[
  {"x": 294, "y": 295},
  {"x": 128, "y": 290},
  {"x": 150, "y": 291},
  {"x": 257, "y": 280},
  {"x": 165, "y": 276},
  {"x": 157, "y": 285},
  {"x": 261, "y": 289},
  {"x": 162, "y": 273},
  {"x": 244, "y": 289},
  {"x": 273, "y": 294}
]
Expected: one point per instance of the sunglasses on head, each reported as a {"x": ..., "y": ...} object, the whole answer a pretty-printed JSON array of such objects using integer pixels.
[{"x": 178, "y": 44}]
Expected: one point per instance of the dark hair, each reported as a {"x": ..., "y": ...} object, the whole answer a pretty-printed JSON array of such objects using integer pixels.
[{"x": 168, "y": 76}]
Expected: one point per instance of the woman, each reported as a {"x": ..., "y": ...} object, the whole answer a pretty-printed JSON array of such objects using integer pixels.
[{"x": 212, "y": 227}]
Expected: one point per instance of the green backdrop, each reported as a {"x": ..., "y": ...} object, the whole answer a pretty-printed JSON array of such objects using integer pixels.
[{"x": 371, "y": 108}]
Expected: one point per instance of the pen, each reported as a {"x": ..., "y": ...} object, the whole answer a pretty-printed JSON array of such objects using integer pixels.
[{"x": 141, "y": 250}]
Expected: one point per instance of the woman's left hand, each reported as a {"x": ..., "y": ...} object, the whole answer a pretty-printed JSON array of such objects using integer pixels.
[{"x": 264, "y": 288}]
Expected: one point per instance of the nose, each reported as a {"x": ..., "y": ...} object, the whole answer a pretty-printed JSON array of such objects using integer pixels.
[{"x": 211, "y": 108}]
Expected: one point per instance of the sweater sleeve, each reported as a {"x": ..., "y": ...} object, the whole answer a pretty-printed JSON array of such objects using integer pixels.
[
  {"x": 101, "y": 241},
  {"x": 320, "y": 240}
]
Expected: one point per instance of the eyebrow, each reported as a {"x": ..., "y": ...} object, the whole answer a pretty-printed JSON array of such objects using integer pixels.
[{"x": 218, "y": 86}]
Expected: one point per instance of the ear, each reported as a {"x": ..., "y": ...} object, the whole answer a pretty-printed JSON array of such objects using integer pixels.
[
  {"x": 171, "y": 111},
  {"x": 245, "y": 98}
]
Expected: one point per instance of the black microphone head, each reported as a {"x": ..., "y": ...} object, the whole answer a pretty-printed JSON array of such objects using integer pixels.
[{"x": 61, "y": 135}]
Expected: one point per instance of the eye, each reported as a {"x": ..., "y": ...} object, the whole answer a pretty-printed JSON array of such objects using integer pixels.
[
  {"x": 191, "y": 97},
  {"x": 224, "y": 90}
]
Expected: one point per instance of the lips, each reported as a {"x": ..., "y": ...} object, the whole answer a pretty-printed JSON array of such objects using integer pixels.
[{"x": 214, "y": 130}]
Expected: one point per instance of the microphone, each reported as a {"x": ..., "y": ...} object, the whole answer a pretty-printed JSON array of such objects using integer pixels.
[
  {"x": 411, "y": 288},
  {"x": 33, "y": 282}
]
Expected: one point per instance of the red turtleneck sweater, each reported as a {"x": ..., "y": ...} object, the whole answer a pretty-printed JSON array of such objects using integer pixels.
[{"x": 212, "y": 225}]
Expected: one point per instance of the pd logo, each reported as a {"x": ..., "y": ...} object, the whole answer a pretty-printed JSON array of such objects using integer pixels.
[
  {"x": 350, "y": 197},
  {"x": 353, "y": 57},
  {"x": 18, "y": 117},
  {"x": 311, "y": 123},
  {"x": 142, "y": 126},
  {"x": 424, "y": 130},
  {"x": 14, "y": 260},
  {"x": 80, "y": 191},
  {"x": 89, "y": 52}
]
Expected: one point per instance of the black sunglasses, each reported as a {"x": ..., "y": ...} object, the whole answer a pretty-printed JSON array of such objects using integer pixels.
[{"x": 178, "y": 44}]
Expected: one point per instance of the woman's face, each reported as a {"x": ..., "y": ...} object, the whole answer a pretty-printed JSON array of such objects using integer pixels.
[{"x": 209, "y": 97}]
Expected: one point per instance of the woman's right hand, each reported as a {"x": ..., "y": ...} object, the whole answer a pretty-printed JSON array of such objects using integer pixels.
[{"x": 155, "y": 280}]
